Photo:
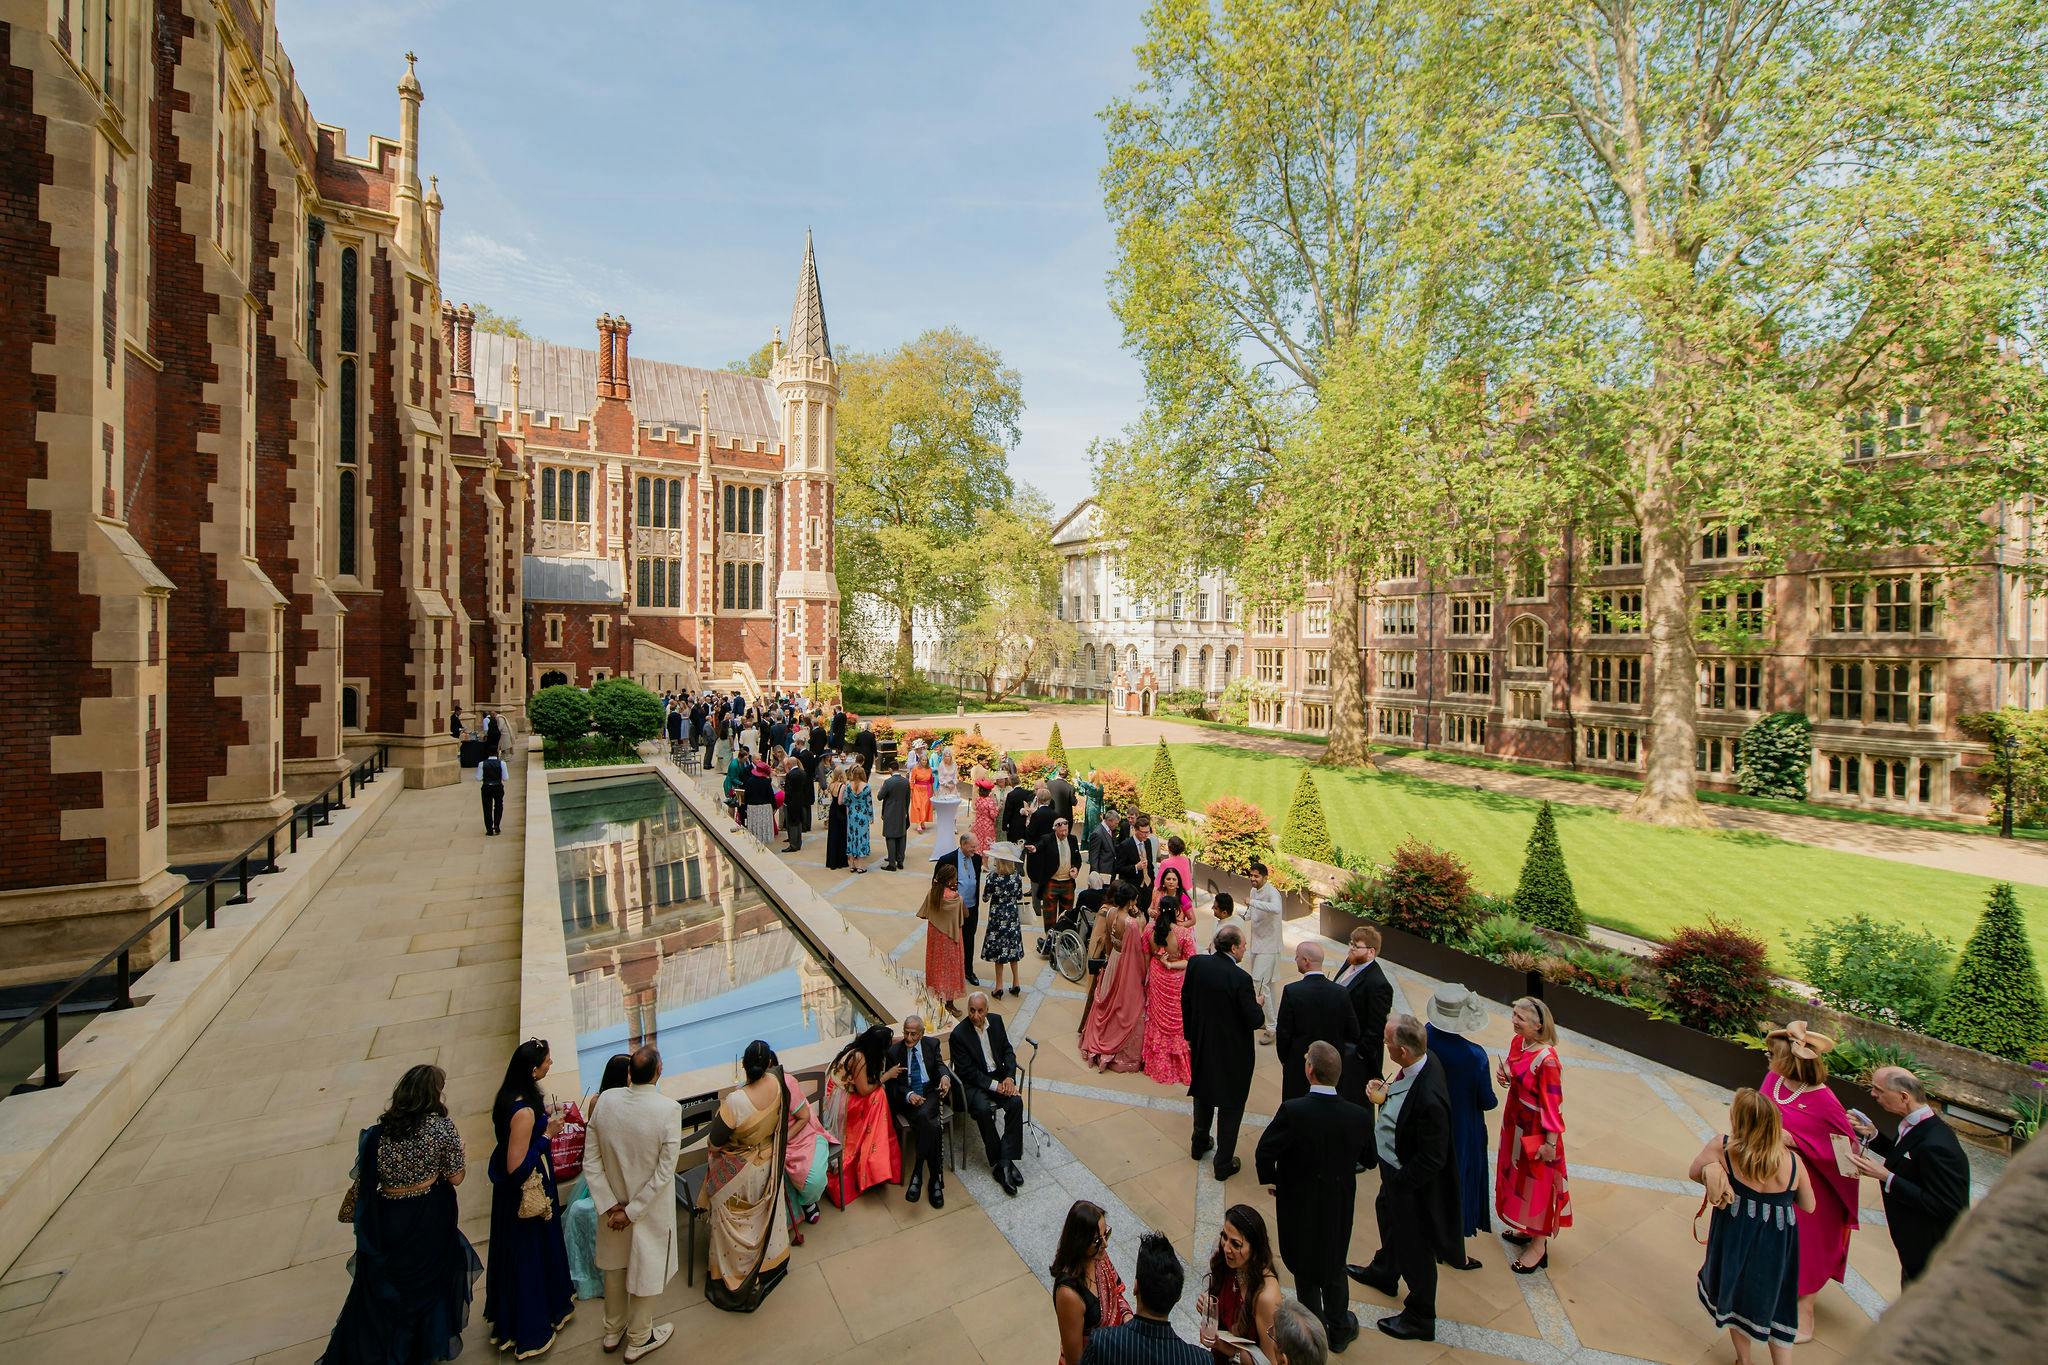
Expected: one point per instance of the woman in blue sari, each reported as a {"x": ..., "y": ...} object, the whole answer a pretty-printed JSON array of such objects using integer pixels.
[
  {"x": 413, "y": 1271},
  {"x": 579, "y": 1220},
  {"x": 1455, "y": 1012},
  {"x": 527, "y": 1294}
]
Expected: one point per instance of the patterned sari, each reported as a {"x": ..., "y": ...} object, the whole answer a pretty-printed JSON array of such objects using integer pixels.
[{"x": 743, "y": 1194}]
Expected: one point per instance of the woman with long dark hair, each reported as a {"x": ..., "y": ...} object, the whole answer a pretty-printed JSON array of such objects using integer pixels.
[
  {"x": 743, "y": 1186},
  {"x": 579, "y": 1220},
  {"x": 1166, "y": 1046},
  {"x": 1244, "y": 1289},
  {"x": 857, "y": 1116},
  {"x": 413, "y": 1269},
  {"x": 1087, "y": 1294},
  {"x": 527, "y": 1294}
]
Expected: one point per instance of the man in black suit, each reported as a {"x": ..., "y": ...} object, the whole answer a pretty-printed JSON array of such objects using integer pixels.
[
  {"x": 893, "y": 798},
  {"x": 986, "y": 1066},
  {"x": 1306, "y": 1155},
  {"x": 966, "y": 864},
  {"x": 1372, "y": 999},
  {"x": 1062, "y": 795},
  {"x": 1218, "y": 1014},
  {"x": 914, "y": 1098},
  {"x": 864, "y": 745},
  {"x": 1016, "y": 812},
  {"x": 797, "y": 795},
  {"x": 1925, "y": 1175},
  {"x": 809, "y": 756},
  {"x": 1313, "y": 1009},
  {"x": 819, "y": 739},
  {"x": 1053, "y": 862},
  {"x": 1417, "y": 1206},
  {"x": 838, "y": 737},
  {"x": 778, "y": 733}
]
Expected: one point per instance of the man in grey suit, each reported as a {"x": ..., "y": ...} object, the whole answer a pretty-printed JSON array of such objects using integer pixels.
[{"x": 895, "y": 801}]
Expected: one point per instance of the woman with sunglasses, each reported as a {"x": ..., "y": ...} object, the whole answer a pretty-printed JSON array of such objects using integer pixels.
[{"x": 1087, "y": 1293}]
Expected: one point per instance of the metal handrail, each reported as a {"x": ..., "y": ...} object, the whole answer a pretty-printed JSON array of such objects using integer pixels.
[{"x": 317, "y": 811}]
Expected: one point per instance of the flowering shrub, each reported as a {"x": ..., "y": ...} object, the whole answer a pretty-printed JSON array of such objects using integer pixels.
[
  {"x": 884, "y": 729},
  {"x": 1119, "y": 789},
  {"x": 1426, "y": 892},
  {"x": 1235, "y": 835},
  {"x": 1716, "y": 977},
  {"x": 972, "y": 751},
  {"x": 1033, "y": 766}
]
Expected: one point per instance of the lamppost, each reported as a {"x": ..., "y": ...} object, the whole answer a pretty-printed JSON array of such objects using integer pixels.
[
  {"x": 2009, "y": 745},
  {"x": 1105, "y": 718}
]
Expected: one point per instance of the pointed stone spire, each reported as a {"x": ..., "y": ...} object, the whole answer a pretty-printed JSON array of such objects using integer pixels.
[{"x": 807, "y": 335}]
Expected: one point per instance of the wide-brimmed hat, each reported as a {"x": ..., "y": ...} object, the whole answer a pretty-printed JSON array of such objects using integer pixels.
[
  {"x": 1454, "y": 1009},
  {"x": 1006, "y": 851},
  {"x": 1803, "y": 1041}
]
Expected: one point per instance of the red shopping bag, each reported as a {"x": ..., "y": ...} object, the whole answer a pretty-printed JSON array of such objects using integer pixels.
[{"x": 566, "y": 1151}]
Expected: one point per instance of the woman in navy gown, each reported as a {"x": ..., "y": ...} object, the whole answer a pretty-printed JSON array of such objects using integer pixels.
[
  {"x": 1455, "y": 1012},
  {"x": 527, "y": 1291}
]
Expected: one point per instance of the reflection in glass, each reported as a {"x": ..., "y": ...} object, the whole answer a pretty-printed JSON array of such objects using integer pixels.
[{"x": 670, "y": 942}]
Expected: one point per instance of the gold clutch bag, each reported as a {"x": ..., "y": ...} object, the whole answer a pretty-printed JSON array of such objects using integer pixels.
[{"x": 533, "y": 1198}]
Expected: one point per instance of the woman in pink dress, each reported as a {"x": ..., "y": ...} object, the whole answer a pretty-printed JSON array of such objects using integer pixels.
[
  {"x": 1798, "y": 1085},
  {"x": 984, "y": 811},
  {"x": 1176, "y": 862},
  {"x": 1173, "y": 890},
  {"x": 1172, "y": 943},
  {"x": 1113, "y": 1039},
  {"x": 1531, "y": 1191}
]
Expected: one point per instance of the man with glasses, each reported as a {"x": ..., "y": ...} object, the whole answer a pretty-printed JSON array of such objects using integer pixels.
[
  {"x": 1926, "y": 1177},
  {"x": 1053, "y": 863},
  {"x": 914, "y": 1097}
]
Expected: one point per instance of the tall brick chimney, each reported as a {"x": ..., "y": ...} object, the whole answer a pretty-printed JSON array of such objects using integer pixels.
[
  {"x": 622, "y": 374},
  {"x": 465, "y": 338},
  {"x": 605, "y": 324}
]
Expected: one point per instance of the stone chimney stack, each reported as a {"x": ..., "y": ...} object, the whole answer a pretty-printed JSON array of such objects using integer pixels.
[
  {"x": 605, "y": 326},
  {"x": 622, "y": 374}
]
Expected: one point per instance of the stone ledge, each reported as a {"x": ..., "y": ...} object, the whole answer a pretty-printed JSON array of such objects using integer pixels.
[{"x": 50, "y": 1139}]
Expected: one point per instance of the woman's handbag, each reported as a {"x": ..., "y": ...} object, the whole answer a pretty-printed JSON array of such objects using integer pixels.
[
  {"x": 565, "y": 1153},
  {"x": 534, "y": 1200}
]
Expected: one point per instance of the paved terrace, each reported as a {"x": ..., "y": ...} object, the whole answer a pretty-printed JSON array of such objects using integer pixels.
[{"x": 207, "y": 1231}]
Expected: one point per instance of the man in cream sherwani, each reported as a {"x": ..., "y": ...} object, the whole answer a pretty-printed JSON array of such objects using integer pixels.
[{"x": 630, "y": 1166}]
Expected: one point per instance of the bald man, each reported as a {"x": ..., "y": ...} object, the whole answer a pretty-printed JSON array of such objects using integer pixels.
[{"x": 1313, "y": 1009}]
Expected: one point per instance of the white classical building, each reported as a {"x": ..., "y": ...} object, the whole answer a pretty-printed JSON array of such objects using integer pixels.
[{"x": 1138, "y": 641}]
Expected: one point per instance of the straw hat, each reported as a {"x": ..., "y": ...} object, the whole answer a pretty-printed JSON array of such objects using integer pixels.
[
  {"x": 1454, "y": 1009},
  {"x": 1005, "y": 851},
  {"x": 1804, "y": 1042}
]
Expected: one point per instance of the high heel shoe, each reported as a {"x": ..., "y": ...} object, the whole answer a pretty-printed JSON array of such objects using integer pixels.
[
  {"x": 1520, "y": 1239},
  {"x": 1521, "y": 1269}
]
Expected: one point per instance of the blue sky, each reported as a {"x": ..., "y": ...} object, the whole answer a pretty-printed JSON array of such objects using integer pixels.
[{"x": 662, "y": 160}]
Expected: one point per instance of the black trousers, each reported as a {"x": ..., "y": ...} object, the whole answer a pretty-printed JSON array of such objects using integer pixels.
[
  {"x": 924, "y": 1136},
  {"x": 894, "y": 843},
  {"x": 796, "y": 819},
  {"x": 1326, "y": 1292},
  {"x": 970, "y": 920},
  {"x": 494, "y": 806},
  {"x": 983, "y": 1107},
  {"x": 1404, "y": 1250},
  {"x": 1226, "y": 1118}
]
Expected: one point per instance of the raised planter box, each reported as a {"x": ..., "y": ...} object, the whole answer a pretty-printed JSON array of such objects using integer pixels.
[
  {"x": 1483, "y": 975},
  {"x": 1293, "y": 904},
  {"x": 1718, "y": 1060}
]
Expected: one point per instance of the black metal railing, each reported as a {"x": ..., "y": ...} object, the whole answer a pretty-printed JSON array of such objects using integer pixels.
[{"x": 258, "y": 858}]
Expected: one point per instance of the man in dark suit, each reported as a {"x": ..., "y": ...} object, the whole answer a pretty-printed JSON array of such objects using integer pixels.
[
  {"x": 837, "y": 739},
  {"x": 893, "y": 796},
  {"x": 914, "y": 1098},
  {"x": 778, "y": 733},
  {"x": 1372, "y": 999},
  {"x": 966, "y": 862},
  {"x": 798, "y": 792},
  {"x": 986, "y": 1066},
  {"x": 1925, "y": 1175},
  {"x": 1102, "y": 844},
  {"x": 1016, "y": 812},
  {"x": 809, "y": 756},
  {"x": 1218, "y": 1014},
  {"x": 819, "y": 739},
  {"x": 1062, "y": 795},
  {"x": 1306, "y": 1155},
  {"x": 864, "y": 745},
  {"x": 1313, "y": 1009},
  {"x": 1148, "y": 1338},
  {"x": 1417, "y": 1208}
]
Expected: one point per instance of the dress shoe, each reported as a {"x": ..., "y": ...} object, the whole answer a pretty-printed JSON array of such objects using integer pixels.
[
  {"x": 1016, "y": 1174},
  {"x": 1520, "y": 1239},
  {"x": 1199, "y": 1148},
  {"x": 1008, "y": 1185},
  {"x": 1521, "y": 1269},
  {"x": 1401, "y": 1327},
  {"x": 915, "y": 1186},
  {"x": 1469, "y": 1263},
  {"x": 1344, "y": 1333},
  {"x": 1364, "y": 1274},
  {"x": 1224, "y": 1172},
  {"x": 938, "y": 1199}
]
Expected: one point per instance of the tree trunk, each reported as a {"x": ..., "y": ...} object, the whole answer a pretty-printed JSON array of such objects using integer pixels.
[
  {"x": 1669, "y": 788},
  {"x": 1348, "y": 745},
  {"x": 906, "y": 653}
]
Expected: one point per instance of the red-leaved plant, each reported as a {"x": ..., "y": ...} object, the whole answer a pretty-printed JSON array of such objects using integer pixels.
[
  {"x": 1426, "y": 892},
  {"x": 1715, "y": 977}
]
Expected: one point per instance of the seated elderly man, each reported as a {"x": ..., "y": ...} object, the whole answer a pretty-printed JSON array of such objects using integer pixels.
[
  {"x": 986, "y": 1066},
  {"x": 920, "y": 1081}
]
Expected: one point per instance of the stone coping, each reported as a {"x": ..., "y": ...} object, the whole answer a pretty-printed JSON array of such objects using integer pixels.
[
  {"x": 546, "y": 1009},
  {"x": 50, "y": 1139}
]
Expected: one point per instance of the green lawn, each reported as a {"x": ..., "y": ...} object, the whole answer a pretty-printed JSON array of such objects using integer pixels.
[{"x": 1637, "y": 878}]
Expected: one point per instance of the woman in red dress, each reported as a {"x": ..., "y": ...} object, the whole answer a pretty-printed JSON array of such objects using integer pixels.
[
  {"x": 1244, "y": 1289},
  {"x": 856, "y": 1113},
  {"x": 1530, "y": 1190},
  {"x": 945, "y": 956},
  {"x": 985, "y": 811},
  {"x": 1166, "y": 1047}
]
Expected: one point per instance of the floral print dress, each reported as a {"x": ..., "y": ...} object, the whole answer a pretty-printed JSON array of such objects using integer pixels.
[
  {"x": 860, "y": 817},
  {"x": 1003, "y": 941}
]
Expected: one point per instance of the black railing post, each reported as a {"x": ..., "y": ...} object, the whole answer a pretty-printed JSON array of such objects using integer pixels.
[
  {"x": 122, "y": 981},
  {"x": 52, "y": 1076},
  {"x": 295, "y": 831},
  {"x": 212, "y": 887},
  {"x": 270, "y": 850},
  {"x": 242, "y": 873},
  {"x": 177, "y": 929}
]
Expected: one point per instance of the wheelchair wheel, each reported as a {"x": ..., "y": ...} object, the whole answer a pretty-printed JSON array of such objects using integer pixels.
[{"x": 1069, "y": 954}]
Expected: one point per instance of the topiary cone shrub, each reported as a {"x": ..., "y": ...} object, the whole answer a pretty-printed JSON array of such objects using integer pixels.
[
  {"x": 1235, "y": 834},
  {"x": 1994, "y": 1002},
  {"x": 1162, "y": 786},
  {"x": 1426, "y": 892},
  {"x": 561, "y": 715},
  {"x": 1544, "y": 896},
  {"x": 625, "y": 712},
  {"x": 1056, "y": 748},
  {"x": 1306, "y": 832},
  {"x": 1715, "y": 977}
]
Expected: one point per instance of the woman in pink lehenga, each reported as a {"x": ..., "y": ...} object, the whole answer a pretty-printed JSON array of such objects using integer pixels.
[
  {"x": 1798, "y": 1085},
  {"x": 1172, "y": 943},
  {"x": 1113, "y": 1038}
]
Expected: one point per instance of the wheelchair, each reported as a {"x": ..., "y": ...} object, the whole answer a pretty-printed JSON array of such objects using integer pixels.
[{"x": 1067, "y": 943}]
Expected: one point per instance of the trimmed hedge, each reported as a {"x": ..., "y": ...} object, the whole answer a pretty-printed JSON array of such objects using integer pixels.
[
  {"x": 1994, "y": 1002},
  {"x": 1544, "y": 896},
  {"x": 560, "y": 714},
  {"x": 1162, "y": 786},
  {"x": 1306, "y": 831},
  {"x": 624, "y": 712},
  {"x": 1056, "y": 748},
  {"x": 1775, "y": 755}
]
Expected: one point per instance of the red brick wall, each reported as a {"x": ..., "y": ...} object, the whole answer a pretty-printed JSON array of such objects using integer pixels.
[
  {"x": 378, "y": 633},
  {"x": 576, "y": 646},
  {"x": 46, "y": 625}
]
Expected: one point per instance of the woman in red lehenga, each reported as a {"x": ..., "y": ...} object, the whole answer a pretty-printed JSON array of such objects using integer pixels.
[
  {"x": 1166, "y": 1047},
  {"x": 1113, "y": 1036},
  {"x": 856, "y": 1115},
  {"x": 1531, "y": 1191}
]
